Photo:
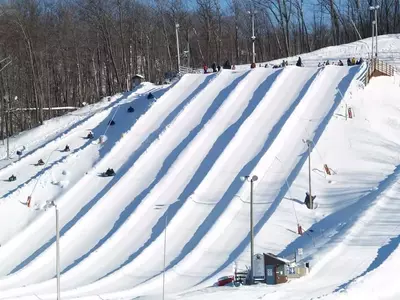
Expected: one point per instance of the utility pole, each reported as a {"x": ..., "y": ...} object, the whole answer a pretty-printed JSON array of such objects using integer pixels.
[
  {"x": 188, "y": 49},
  {"x": 253, "y": 37},
  {"x": 374, "y": 8},
  {"x": 58, "y": 253},
  {"x": 251, "y": 180},
  {"x": 376, "y": 29},
  {"x": 165, "y": 254},
  {"x": 52, "y": 203},
  {"x": 8, "y": 125},
  {"x": 372, "y": 41},
  {"x": 164, "y": 207},
  {"x": 8, "y": 103},
  {"x": 310, "y": 197},
  {"x": 177, "y": 45},
  {"x": 251, "y": 233}
]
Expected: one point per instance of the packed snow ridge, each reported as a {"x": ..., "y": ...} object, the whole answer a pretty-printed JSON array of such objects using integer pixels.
[{"x": 157, "y": 171}]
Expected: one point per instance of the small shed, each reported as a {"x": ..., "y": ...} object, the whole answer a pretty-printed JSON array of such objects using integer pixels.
[
  {"x": 276, "y": 269},
  {"x": 137, "y": 80}
]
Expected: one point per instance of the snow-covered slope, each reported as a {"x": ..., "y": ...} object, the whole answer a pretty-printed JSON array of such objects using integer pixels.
[
  {"x": 388, "y": 51},
  {"x": 178, "y": 160}
]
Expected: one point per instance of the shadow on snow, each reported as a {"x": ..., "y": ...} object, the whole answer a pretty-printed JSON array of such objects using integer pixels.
[
  {"x": 139, "y": 152},
  {"x": 343, "y": 86},
  {"x": 123, "y": 126}
]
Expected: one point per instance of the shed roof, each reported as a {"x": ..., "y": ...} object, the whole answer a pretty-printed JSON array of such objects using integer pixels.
[
  {"x": 138, "y": 76},
  {"x": 280, "y": 259}
]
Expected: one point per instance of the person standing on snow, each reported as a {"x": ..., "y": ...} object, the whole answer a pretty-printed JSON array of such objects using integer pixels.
[
  {"x": 205, "y": 68},
  {"x": 214, "y": 67},
  {"x": 299, "y": 63}
]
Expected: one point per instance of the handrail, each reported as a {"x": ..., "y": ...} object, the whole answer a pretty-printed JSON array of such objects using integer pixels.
[{"x": 381, "y": 66}]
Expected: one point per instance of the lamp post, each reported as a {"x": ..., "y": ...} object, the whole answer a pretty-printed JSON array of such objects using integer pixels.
[
  {"x": 8, "y": 61},
  {"x": 251, "y": 179},
  {"x": 164, "y": 206},
  {"x": 52, "y": 203},
  {"x": 165, "y": 254},
  {"x": 177, "y": 45},
  {"x": 253, "y": 37},
  {"x": 310, "y": 197},
  {"x": 374, "y": 8}
]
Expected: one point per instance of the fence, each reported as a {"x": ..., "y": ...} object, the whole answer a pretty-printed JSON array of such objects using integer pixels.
[
  {"x": 186, "y": 70},
  {"x": 382, "y": 67}
]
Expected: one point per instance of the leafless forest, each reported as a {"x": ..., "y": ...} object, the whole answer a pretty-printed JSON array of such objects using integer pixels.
[{"x": 66, "y": 52}]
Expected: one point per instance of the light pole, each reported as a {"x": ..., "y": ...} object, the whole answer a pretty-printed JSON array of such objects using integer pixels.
[
  {"x": 52, "y": 203},
  {"x": 8, "y": 125},
  {"x": 375, "y": 8},
  {"x": 309, "y": 196},
  {"x": 164, "y": 206},
  {"x": 8, "y": 109},
  {"x": 251, "y": 179},
  {"x": 165, "y": 253},
  {"x": 253, "y": 36},
  {"x": 177, "y": 45}
]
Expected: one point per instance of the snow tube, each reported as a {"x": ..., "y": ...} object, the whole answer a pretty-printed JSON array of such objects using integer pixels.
[{"x": 225, "y": 280}]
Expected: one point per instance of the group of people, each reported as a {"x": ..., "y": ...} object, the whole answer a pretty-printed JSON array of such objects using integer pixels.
[
  {"x": 216, "y": 68},
  {"x": 299, "y": 63},
  {"x": 353, "y": 61},
  {"x": 285, "y": 63},
  {"x": 350, "y": 62}
]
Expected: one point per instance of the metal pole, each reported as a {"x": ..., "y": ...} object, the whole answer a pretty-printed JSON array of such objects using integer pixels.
[
  {"x": 177, "y": 46},
  {"x": 8, "y": 127},
  {"x": 57, "y": 252},
  {"x": 253, "y": 36},
  {"x": 251, "y": 232},
  {"x": 188, "y": 50},
  {"x": 376, "y": 30},
  {"x": 372, "y": 42},
  {"x": 309, "y": 175},
  {"x": 165, "y": 253}
]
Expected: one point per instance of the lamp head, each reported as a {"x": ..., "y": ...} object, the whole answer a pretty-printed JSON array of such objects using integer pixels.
[
  {"x": 254, "y": 178},
  {"x": 243, "y": 178}
]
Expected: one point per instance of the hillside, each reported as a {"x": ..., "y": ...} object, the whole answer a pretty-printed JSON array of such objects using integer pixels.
[{"x": 178, "y": 159}]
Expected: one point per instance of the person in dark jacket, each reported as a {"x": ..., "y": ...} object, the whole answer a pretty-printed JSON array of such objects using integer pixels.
[
  {"x": 227, "y": 65},
  {"x": 109, "y": 172},
  {"x": 214, "y": 67},
  {"x": 66, "y": 149},
  {"x": 205, "y": 68},
  {"x": 90, "y": 135},
  {"x": 299, "y": 63},
  {"x": 349, "y": 62},
  {"x": 131, "y": 109},
  {"x": 219, "y": 68}
]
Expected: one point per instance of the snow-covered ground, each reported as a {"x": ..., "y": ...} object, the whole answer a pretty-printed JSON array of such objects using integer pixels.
[
  {"x": 178, "y": 159},
  {"x": 388, "y": 51}
]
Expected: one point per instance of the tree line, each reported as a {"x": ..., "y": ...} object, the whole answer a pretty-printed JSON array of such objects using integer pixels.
[{"x": 71, "y": 52}]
